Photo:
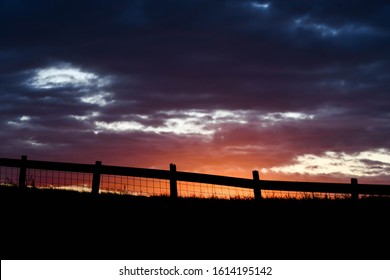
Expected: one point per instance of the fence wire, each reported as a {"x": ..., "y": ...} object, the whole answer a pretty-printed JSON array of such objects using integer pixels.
[
  {"x": 41, "y": 178},
  {"x": 302, "y": 195},
  {"x": 134, "y": 185},
  {"x": 203, "y": 190},
  {"x": 9, "y": 176}
]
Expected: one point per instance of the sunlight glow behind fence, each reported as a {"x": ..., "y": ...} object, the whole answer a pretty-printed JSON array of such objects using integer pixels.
[
  {"x": 131, "y": 185},
  {"x": 78, "y": 181},
  {"x": 203, "y": 190}
]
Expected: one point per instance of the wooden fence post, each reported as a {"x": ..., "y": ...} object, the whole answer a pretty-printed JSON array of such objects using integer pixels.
[
  {"x": 173, "y": 181},
  {"x": 96, "y": 178},
  {"x": 256, "y": 187},
  {"x": 22, "y": 172},
  {"x": 354, "y": 193}
]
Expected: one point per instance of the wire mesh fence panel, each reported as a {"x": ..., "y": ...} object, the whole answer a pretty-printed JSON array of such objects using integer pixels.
[
  {"x": 203, "y": 190},
  {"x": 366, "y": 196},
  {"x": 301, "y": 195},
  {"x": 9, "y": 176},
  {"x": 134, "y": 185},
  {"x": 15, "y": 173},
  {"x": 77, "y": 181}
]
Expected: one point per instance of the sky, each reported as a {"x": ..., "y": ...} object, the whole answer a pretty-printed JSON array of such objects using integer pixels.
[{"x": 298, "y": 90}]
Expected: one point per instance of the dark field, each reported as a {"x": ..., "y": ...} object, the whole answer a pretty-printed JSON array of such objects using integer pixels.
[{"x": 55, "y": 224}]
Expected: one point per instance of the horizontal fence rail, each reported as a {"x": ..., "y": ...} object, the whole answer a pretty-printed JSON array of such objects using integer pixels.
[{"x": 98, "y": 178}]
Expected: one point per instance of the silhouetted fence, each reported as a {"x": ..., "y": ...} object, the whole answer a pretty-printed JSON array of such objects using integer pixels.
[{"x": 98, "y": 178}]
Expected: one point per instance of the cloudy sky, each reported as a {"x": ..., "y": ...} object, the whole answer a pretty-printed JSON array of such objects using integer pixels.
[{"x": 299, "y": 90}]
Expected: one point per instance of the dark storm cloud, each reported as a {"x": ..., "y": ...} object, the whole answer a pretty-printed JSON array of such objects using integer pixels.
[{"x": 149, "y": 70}]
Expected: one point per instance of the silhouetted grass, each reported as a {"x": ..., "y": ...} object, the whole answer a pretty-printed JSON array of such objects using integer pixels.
[{"x": 70, "y": 224}]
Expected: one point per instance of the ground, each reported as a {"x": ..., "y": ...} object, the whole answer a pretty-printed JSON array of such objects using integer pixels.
[{"x": 53, "y": 224}]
